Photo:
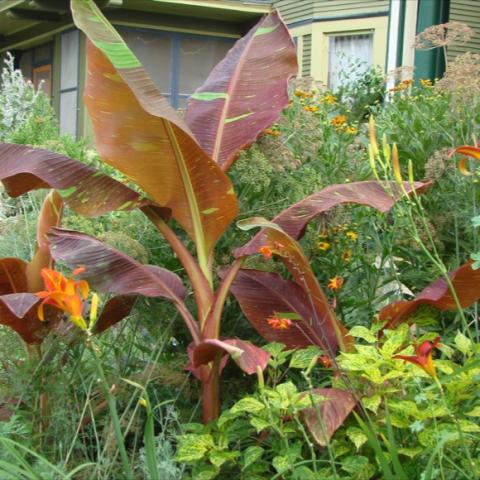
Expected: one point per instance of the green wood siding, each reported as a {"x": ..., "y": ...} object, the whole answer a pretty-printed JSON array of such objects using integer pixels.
[
  {"x": 306, "y": 55},
  {"x": 466, "y": 11},
  {"x": 345, "y": 8},
  {"x": 304, "y": 10},
  {"x": 295, "y": 10}
]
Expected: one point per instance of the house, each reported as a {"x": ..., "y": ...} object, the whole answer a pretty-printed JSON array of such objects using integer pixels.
[
  {"x": 378, "y": 32},
  {"x": 179, "y": 41}
]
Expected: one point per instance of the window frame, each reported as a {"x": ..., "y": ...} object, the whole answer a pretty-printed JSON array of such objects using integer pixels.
[
  {"x": 322, "y": 30},
  {"x": 175, "y": 38},
  {"x": 370, "y": 33},
  {"x": 75, "y": 88}
]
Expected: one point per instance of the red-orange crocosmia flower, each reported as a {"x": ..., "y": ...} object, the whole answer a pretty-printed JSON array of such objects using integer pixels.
[
  {"x": 266, "y": 251},
  {"x": 423, "y": 356},
  {"x": 64, "y": 293},
  {"x": 279, "y": 323}
]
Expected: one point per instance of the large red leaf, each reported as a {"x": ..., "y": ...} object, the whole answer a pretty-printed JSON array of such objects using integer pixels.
[
  {"x": 245, "y": 92},
  {"x": 109, "y": 270},
  {"x": 19, "y": 304},
  {"x": 114, "y": 311},
  {"x": 138, "y": 133},
  {"x": 86, "y": 190},
  {"x": 465, "y": 281},
  {"x": 18, "y": 311},
  {"x": 264, "y": 294},
  {"x": 246, "y": 355},
  {"x": 328, "y": 414},
  {"x": 12, "y": 276},
  {"x": 294, "y": 219},
  {"x": 334, "y": 334}
]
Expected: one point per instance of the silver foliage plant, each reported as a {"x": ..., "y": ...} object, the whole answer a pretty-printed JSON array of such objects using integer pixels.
[{"x": 18, "y": 97}]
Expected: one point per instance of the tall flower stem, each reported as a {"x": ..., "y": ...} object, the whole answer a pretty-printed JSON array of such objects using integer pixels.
[{"x": 113, "y": 412}]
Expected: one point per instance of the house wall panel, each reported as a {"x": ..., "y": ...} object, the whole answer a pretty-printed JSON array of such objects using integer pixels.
[
  {"x": 295, "y": 10},
  {"x": 465, "y": 11},
  {"x": 341, "y": 8},
  {"x": 306, "y": 55}
]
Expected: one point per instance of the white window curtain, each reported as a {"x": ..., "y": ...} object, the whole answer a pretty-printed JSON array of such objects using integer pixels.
[{"x": 349, "y": 57}]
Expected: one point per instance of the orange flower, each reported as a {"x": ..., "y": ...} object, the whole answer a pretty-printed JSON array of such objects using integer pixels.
[
  {"x": 425, "y": 82},
  {"x": 335, "y": 283},
  {"x": 346, "y": 255},
  {"x": 423, "y": 356},
  {"x": 266, "y": 251},
  {"x": 339, "y": 120},
  {"x": 65, "y": 294},
  {"x": 279, "y": 323},
  {"x": 272, "y": 132}
]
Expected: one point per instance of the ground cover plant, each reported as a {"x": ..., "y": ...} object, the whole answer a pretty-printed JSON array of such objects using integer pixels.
[{"x": 355, "y": 309}]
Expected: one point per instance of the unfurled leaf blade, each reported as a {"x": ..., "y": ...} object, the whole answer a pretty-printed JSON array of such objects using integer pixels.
[
  {"x": 245, "y": 93},
  {"x": 110, "y": 270},
  {"x": 333, "y": 333},
  {"x": 465, "y": 281},
  {"x": 114, "y": 311},
  {"x": 19, "y": 304},
  {"x": 85, "y": 190},
  {"x": 12, "y": 276},
  {"x": 328, "y": 413},
  {"x": 262, "y": 295},
  {"x": 294, "y": 219},
  {"x": 138, "y": 133},
  {"x": 18, "y": 311}
]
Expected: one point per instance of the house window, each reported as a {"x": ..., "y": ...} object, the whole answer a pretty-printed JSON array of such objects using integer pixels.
[
  {"x": 178, "y": 63},
  {"x": 36, "y": 65},
  {"x": 349, "y": 58},
  {"x": 197, "y": 57},
  {"x": 69, "y": 61},
  {"x": 155, "y": 52}
]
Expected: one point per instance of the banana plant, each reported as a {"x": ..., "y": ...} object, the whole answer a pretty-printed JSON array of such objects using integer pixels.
[{"x": 179, "y": 167}]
